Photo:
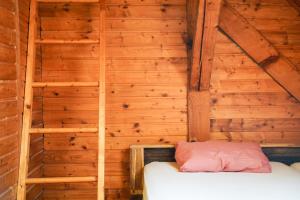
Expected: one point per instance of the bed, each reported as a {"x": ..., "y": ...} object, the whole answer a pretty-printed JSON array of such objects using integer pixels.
[
  {"x": 162, "y": 181},
  {"x": 154, "y": 176},
  {"x": 296, "y": 166}
]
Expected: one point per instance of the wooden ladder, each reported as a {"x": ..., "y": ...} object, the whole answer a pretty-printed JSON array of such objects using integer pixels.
[{"x": 27, "y": 115}]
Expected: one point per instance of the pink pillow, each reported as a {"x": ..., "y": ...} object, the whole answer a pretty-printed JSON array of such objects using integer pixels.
[{"x": 217, "y": 156}]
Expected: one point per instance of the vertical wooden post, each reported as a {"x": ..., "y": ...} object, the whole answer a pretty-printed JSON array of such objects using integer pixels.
[
  {"x": 199, "y": 95},
  {"x": 27, "y": 115},
  {"x": 101, "y": 123},
  {"x": 199, "y": 115},
  {"x": 136, "y": 170}
]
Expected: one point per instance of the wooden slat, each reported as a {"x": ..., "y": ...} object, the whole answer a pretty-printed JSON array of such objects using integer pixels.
[
  {"x": 65, "y": 84},
  {"x": 131, "y": 11},
  {"x": 7, "y": 19},
  {"x": 275, "y": 138},
  {"x": 56, "y": 41},
  {"x": 61, "y": 180},
  {"x": 295, "y": 4},
  {"x": 113, "y": 25},
  {"x": 197, "y": 46},
  {"x": 63, "y": 130},
  {"x": 101, "y": 117},
  {"x": 68, "y": 1},
  {"x": 27, "y": 112},
  {"x": 246, "y": 36},
  {"x": 199, "y": 115}
]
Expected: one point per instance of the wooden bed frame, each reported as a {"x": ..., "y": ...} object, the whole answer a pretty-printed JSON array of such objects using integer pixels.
[{"x": 141, "y": 155}]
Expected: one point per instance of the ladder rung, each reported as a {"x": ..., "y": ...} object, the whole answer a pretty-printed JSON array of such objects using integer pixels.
[
  {"x": 63, "y": 130},
  {"x": 65, "y": 84},
  {"x": 68, "y": 1},
  {"x": 61, "y": 180},
  {"x": 53, "y": 41}
]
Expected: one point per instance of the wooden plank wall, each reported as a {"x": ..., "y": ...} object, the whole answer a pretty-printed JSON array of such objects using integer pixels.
[
  {"x": 146, "y": 88},
  {"x": 36, "y": 146},
  {"x": 246, "y": 104},
  {"x": 13, "y": 49},
  {"x": 9, "y": 113}
]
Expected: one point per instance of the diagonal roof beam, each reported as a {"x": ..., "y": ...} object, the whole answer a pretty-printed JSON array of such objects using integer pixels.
[{"x": 259, "y": 49}]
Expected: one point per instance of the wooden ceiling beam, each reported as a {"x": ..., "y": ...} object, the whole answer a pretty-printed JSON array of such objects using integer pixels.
[
  {"x": 257, "y": 47},
  {"x": 237, "y": 28},
  {"x": 197, "y": 46},
  {"x": 286, "y": 74}
]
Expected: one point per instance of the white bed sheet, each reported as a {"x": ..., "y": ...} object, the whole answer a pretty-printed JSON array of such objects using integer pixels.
[
  {"x": 296, "y": 166},
  {"x": 162, "y": 181}
]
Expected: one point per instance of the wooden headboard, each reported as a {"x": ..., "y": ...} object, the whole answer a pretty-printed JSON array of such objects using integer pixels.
[{"x": 141, "y": 155}]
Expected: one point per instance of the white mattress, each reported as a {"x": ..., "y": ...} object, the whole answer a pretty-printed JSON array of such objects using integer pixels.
[
  {"x": 162, "y": 181},
  {"x": 296, "y": 166}
]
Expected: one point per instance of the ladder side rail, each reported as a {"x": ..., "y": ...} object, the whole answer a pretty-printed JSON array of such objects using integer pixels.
[
  {"x": 101, "y": 123},
  {"x": 28, "y": 97}
]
